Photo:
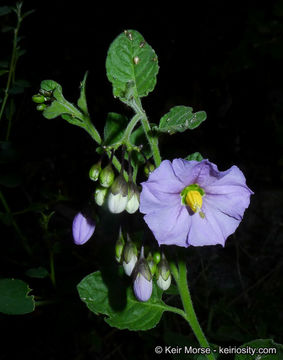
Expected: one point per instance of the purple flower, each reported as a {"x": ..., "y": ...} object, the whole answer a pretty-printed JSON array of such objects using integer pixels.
[
  {"x": 193, "y": 203},
  {"x": 83, "y": 228}
]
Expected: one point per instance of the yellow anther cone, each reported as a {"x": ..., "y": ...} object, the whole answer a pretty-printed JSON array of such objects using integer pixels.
[{"x": 194, "y": 200}]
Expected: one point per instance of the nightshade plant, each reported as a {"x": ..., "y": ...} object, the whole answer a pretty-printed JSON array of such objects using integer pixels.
[{"x": 185, "y": 202}]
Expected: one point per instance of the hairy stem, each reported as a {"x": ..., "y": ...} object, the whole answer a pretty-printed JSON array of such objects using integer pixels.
[
  {"x": 190, "y": 315},
  {"x": 152, "y": 140}
]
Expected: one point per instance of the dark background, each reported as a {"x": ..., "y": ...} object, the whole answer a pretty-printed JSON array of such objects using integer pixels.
[{"x": 224, "y": 59}]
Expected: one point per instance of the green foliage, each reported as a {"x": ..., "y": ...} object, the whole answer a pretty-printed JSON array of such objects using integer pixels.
[
  {"x": 262, "y": 344},
  {"x": 130, "y": 314},
  {"x": 195, "y": 156},
  {"x": 14, "y": 298},
  {"x": 39, "y": 272},
  {"x": 179, "y": 119},
  {"x": 131, "y": 66},
  {"x": 114, "y": 128},
  {"x": 59, "y": 104},
  {"x": 82, "y": 103}
]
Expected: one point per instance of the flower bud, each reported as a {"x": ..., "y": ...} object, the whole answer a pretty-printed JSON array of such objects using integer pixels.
[
  {"x": 163, "y": 274},
  {"x": 45, "y": 93},
  {"x": 119, "y": 246},
  {"x": 106, "y": 176},
  {"x": 100, "y": 195},
  {"x": 118, "y": 195},
  {"x": 151, "y": 264},
  {"x": 41, "y": 107},
  {"x": 148, "y": 168},
  {"x": 129, "y": 257},
  {"x": 38, "y": 98},
  {"x": 94, "y": 171},
  {"x": 142, "y": 279},
  {"x": 156, "y": 257},
  {"x": 83, "y": 228},
  {"x": 133, "y": 199}
]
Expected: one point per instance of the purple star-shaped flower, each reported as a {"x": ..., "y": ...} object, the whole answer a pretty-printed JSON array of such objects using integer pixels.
[{"x": 193, "y": 203}]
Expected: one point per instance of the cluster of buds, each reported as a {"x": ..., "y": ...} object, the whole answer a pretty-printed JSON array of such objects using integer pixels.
[
  {"x": 141, "y": 269},
  {"x": 42, "y": 99},
  {"x": 119, "y": 194}
]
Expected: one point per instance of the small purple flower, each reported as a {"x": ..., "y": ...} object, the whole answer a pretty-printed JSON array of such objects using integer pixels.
[
  {"x": 83, "y": 228},
  {"x": 142, "y": 288},
  {"x": 193, "y": 203}
]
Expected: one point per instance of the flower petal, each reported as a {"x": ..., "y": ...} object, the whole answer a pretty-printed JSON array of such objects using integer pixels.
[
  {"x": 213, "y": 229},
  {"x": 165, "y": 179},
  {"x": 229, "y": 194},
  {"x": 170, "y": 225},
  {"x": 82, "y": 228},
  {"x": 152, "y": 199}
]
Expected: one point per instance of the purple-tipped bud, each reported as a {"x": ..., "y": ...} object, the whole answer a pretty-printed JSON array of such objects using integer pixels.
[
  {"x": 142, "y": 279},
  {"x": 129, "y": 257},
  {"x": 133, "y": 199},
  {"x": 83, "y": 228},
  {"x": 163, "y": 274},
  {"x": 118, "y": 195},
  {"x": 142, "y": 288}
]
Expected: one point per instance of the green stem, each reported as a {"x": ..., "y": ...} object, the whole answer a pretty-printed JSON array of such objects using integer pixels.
[
  {"x": 190, "y": 315},
  {"x": 126, "y": 138},
  {"x": 15, "y": 225},
  {"x": 176, "y": 310},
  {"x": 11, "y": 69},
  {"x": 52, "y": 268},
  {"x": 152, "y": 140}
]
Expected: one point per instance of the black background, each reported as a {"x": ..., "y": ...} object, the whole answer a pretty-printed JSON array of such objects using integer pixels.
[{"x": 224, "y": 58}]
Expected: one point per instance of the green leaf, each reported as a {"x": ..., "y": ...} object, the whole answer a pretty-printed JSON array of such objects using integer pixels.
[
  {"x": 19, "y": 87},
  {"x": 3, "y": 72},
  {"x": 82, "y": 104},
  {"x": 179, "y": 119},
  {"x": 60, "y": 105},
  {"x": 50, "y": 85},
  {"x": 131, "y": 66},
  {"x": 10, "y": 178},
  {"x": 39, "y": 273},
  {"x": 130, "y": 314},
  {"x": 14, "y": 298},
  {"x": 195, "y": 156},
  {"x": 4, "y": 10},
  {"x": 114, "y": 128},
  {"x": 268, "y": 345}
]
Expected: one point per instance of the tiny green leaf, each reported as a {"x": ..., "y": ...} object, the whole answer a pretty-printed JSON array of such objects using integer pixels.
[
  {"x": 179, "y": 119},
  {"x": 82, "y": 104},
  {"x": 134, "y": 315},
  {"x": 14, "y": 298},
  {"x": 195, "y": 156},
  {"x": 253, "y": 350},
  {"x": 131, "y": 66},
  {"x": 60, "y": 105},
  {"x": 50, "y": 85}
]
